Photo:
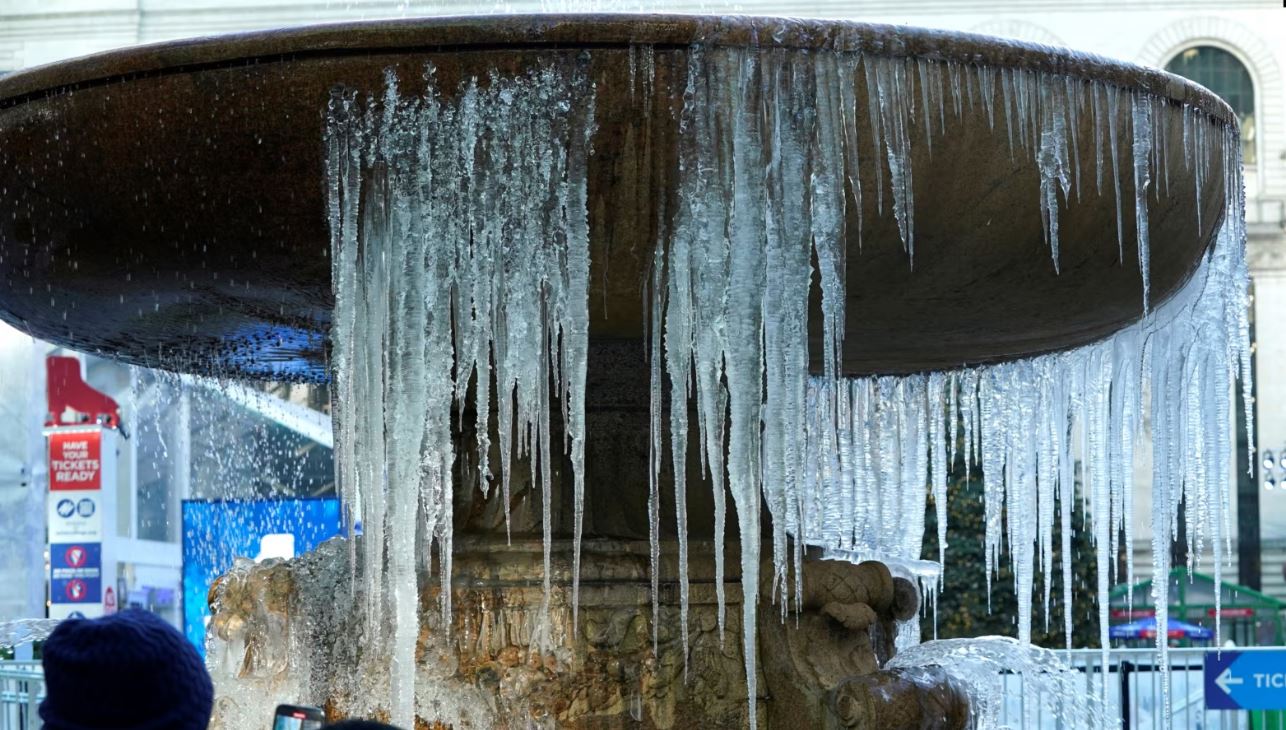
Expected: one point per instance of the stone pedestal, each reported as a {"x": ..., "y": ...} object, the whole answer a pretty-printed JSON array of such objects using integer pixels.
[{"x": 297, "y": 631}]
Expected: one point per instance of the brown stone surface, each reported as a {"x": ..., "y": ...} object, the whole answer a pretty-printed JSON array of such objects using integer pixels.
[
  {"x": 822, "y": 666},
  {"x": 296, "y": 631},
  {"x": 165, "y": 205},
  {"x": 917, "y": 699}
]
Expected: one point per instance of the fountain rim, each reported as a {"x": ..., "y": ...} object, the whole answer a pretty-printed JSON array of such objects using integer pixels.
[{"x": 471, "y": 33}]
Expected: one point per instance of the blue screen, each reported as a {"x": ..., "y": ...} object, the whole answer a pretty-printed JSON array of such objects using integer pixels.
[{"x": 216, "y": 533}]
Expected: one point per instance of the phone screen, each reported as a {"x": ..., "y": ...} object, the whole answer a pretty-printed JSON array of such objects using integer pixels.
[
  {"x": 296, "y": 723},
  {"x": 297, "y": 718}
]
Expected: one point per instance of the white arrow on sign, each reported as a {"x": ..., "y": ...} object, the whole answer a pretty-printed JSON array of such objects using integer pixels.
[{"x": 1226, "y": 680}]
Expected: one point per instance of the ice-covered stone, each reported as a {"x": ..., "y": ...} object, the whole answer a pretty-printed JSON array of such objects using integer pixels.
[{"x": 440, "y": 285}]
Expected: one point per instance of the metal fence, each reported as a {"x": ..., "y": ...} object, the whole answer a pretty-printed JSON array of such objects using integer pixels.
[
  {"x": 1135, "y": 693},
  {"x": 22, "y": 686}
]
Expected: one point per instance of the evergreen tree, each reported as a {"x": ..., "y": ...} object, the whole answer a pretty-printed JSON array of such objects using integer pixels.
[{"x": 966, "y": 609}]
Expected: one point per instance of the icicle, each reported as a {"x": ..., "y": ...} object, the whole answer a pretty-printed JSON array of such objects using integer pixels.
[
  {"x": 745, "y": 354},
  {"x": 870, "y": 66},
  {"x": 1162, "y": 491},
  {"x": 1008, "y": 102},
  {"x": 678, "y": 357},
  {"x": 939, "y": 466},
  {"x": 1053, "y": 164},
  {"x": 1096, "y": 108},
  {"x": 1045, "y": 424},
  {"x": 826, "y": 201},
  {"x": 574, "y": 324},
  {"x": 987, "y": 93},
  {"x": 655, "y": 453},
  {"x": 700, "y": 226},
  {"x": 1113, "y": 122},
  {"x": 1142, "y": 123},
  {"x": 1194, "y": 149},
  {"x": 1060, "y": 434},
  {"x": 1074, "y": 91}
]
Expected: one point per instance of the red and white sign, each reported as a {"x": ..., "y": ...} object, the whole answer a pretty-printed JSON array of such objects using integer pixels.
[
  {"x": 75, "y": 460},
  {"x": 75, "y": 556},
  {"x": 109, "y": 601},
  {"x": 1233, "y": 612},
  {"x": 1136, "y": 613},
  {"x": 76, "y": 487}
]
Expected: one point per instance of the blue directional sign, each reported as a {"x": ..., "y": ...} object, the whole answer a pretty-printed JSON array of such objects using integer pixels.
[{"x": 1246, "y": 680}]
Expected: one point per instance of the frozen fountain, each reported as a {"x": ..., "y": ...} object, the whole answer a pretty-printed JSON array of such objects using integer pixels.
[{"x": 577, "y": 279}]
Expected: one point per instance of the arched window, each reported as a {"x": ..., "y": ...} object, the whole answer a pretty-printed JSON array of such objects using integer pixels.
[{"x": 1221, "y": 72}]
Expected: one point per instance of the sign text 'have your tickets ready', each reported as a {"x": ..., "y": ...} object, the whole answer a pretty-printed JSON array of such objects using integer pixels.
[{"x": 75, "y": 460}]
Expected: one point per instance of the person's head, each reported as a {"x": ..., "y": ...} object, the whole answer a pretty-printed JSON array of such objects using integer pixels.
[
  {"x": 360, "y": 725},
  {"x": 127, "y": 671}
]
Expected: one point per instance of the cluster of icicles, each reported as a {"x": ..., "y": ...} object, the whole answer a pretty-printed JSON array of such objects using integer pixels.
[
  {"x": 447, "y": 271},
  {"x": 1046, "y": 688},
  {"x": 460, "y": 249}
]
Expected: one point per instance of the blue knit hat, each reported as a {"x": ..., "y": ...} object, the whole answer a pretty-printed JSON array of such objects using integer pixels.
[{"x": 127, "y": 671}]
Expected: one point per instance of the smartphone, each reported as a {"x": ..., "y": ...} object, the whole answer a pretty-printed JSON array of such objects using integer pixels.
[{"x": 298, "y": 717}]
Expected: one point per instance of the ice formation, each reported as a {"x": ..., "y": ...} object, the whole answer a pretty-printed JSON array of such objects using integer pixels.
[
  {"x": 15, "y": 632},
  {"x": 439, "y": 285},
  {"x": 1049, "y": 690},
  {"x": 762, "y": 196}
]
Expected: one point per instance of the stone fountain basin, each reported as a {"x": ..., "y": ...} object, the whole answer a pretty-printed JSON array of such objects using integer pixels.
[{"x": 165, "y": 205}]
